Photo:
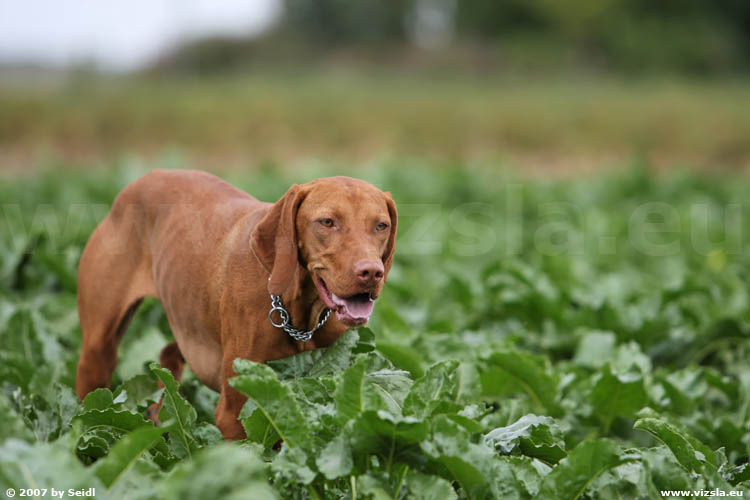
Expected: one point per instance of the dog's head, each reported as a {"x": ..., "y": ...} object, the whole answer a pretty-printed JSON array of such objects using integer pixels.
[{"x": 343, "y": 231}]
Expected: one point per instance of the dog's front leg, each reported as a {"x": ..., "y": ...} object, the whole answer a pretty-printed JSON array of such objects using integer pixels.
[{"x": 230, "y": 403}]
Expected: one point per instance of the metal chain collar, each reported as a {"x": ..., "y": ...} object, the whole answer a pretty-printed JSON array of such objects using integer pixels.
[{"x": 300, "y": 335}]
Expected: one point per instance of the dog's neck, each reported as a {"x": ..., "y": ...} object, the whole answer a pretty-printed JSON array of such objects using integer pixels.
[
  {"x": 305, "y": 308},
  {"x": 302, "y": 301}
]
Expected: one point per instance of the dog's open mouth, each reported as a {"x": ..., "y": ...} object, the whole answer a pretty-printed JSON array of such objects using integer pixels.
[{"x": 354, "y": 310}]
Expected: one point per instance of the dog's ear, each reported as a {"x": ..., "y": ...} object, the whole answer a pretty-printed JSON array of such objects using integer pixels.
[
  {"x": 390, "y": 247},
  {"x": 274, "y": 240}
]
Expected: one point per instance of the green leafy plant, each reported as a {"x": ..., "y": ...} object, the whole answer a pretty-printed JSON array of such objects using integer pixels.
[{"x": 562, "y": 362}]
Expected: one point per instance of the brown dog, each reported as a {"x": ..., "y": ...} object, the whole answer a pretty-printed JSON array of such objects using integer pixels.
[{"x": 214, "y": 255}]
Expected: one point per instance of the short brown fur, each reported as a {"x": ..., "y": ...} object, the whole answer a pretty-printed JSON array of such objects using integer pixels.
[{"x": 207, "y": 249}]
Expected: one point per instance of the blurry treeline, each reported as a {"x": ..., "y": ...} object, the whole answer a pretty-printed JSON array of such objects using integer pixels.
[
  {"x": 550, "y": 84},
  {"x": 690, "y": 37}
]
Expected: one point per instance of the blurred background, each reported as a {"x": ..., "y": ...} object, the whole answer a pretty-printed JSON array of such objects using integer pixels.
[{"x": 543, "y": 86}]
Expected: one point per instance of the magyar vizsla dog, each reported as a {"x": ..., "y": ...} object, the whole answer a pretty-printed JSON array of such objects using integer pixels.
[{"x": 216, "y": 258}]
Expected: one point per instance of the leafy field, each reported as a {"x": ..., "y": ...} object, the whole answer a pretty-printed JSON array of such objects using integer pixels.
[
  {"x": 579, "y": 339},
  {"x": 539, "y": 120}
]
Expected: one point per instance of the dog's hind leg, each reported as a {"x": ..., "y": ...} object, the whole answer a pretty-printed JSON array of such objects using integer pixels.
[
  {"x": 112, "y": 281},
  {"x": 171, "y": 359}
]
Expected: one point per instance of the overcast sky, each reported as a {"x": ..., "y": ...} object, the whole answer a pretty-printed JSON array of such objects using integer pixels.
[{"x": 119, "y": 34}]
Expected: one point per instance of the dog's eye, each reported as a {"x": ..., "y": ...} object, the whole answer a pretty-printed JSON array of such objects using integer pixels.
[
  {"x": 326, "y": 222},
  {"x": 382, "y": 226}
]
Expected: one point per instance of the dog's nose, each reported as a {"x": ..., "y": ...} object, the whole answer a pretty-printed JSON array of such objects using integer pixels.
[{"x": 369, "y": 272}]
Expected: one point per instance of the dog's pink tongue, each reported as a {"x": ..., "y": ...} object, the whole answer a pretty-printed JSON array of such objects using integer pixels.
[{"x": 359, "y": 307}]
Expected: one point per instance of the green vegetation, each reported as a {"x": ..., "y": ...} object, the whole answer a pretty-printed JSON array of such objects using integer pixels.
[{"x": 577, "y": 339}]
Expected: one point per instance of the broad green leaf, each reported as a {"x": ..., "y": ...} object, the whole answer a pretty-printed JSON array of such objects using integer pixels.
[
  {"x": 101, "y": 429},
  {"x": 16, "y": 369},
  {"x": 515, "y": 478},
  {"x": 392, "y": 387},
  {"x": 375, "y": 486},
  {"x": 140, "y": 351},
  {"x": 118, "y": 420},
  {"x": 58, "y": 268},
  {"x": 531, "y": 435},
  {"x": 291, "y": 466},
  {"x": 207, "y": 434},
  {"x": 522, "y": 371},
  {"x": 139, "y": 390},
  {"x": 350, "y": 393},
  {"x": 336, "y": 458},
  {"x": 257, "y": 426},
  {"x": 317, "y": 362},
  {"x": 664, "y": 471},
  {"x": 440, "y": 383},
  {"x": 595, "y": 348},
  {"x": 100, "y": 399},
  {"x": 629, "y": 480},
  {"x": 203, "y": 399},
  {"x": 66, "y": 403},
  {"x": 49, "y": 408},
  {"x": 616, "y": 395},
  {"x": 42, "y": 418},
  {"x": 527, "y": 475},
  {"x": 691, "y": 453},
  {"x": 296, "y": 366},
  {"x": 389, "y": 319},
  {"x": 11, "y": 423},
  {"x": 225, "y": 471},
  {"x": 365, "y": 342},
  {"x": 312, "y": 394},
  {"x": 467, "y": 423},
  {"x": 43, "y": 465},
  {"x": 382, "y": 432},
  {"x": 676, "y": 400},
  {"x": 404, "y": 357},
  {"x": 721, "y": 382},
  {"x": 628, "y": 357},
  {"x": 275, "y": 400},
  {"x": 22, "y": 337},
  {"x": 361, "y": 389},
  {"x": 424, "y": 487},
  {"x": 471, "y": 464},
  {"x": 140, "y": 480},
  {"x": 738, "y": 474},
  {"x": 96, "y": 443},
  {"x": 337, "y": 357},
  {"x": 583, "y": 465},
  {"x": 177, "y": 411},
  {"x": 126, "y": 452}
]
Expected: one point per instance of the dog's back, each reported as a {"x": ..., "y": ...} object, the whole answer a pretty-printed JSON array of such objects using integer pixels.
[{"x": 137, "y": 244}]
